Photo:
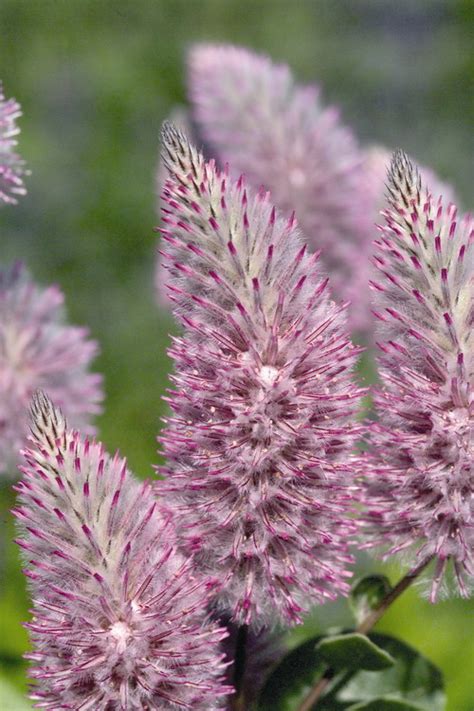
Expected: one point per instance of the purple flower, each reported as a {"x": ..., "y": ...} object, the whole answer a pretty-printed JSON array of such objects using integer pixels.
[
  {"x": 421, "y": 494},
  {"x": 251, "y": 113},
  {"x": 12, "y": 167},
  {"x": 38, "y": 350},
  {"x": 119, "y": 619},
  {"x": 259, "y": 440}
]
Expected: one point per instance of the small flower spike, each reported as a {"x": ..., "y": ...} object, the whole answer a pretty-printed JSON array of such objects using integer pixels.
[
  {"x": 421, "y": 493},
  {"x": 259, "y": 442},
  {"x": 12, "y": 167},
  {"x": 251, "y": 113},
  {"x": 119, "y": 621},
  {"x": 377, "y": 163},
  {"x": 38, "y": 350}
]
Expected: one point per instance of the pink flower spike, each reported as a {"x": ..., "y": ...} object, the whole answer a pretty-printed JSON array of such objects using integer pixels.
[
  {"x": 39, "y": 350},
  {"x": 251, "y": 113},
  {"x": 12, "y": 167},
  {"x": 258, "y": 448},
  {"x": 119, "y": 616},
  {"x": 421, "y": 490}
]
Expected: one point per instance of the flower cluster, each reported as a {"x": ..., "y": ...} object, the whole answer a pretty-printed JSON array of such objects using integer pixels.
[
  {"x": 258, "y": 444},
  {"x": 12, "y": 167},
  {"x": 140, "y": 591},
  {"x": 119, "y": 618},
  {"x": 421, "y": 492},
  {"x": 38, "y": 350},
  {"x": 251, "y": 113}
]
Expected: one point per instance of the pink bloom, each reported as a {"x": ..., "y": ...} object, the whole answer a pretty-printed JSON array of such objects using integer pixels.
[
  {"x": 12, "y": 167},
  {"x": 422, "y": 490},
  {"x": 119, "y": 619},
  {"x": 252, "y": 114},
  {"x": 38, "y": 350},
  {"x": 259, "y": 441}
]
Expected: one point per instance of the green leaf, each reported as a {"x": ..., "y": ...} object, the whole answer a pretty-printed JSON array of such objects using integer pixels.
[
  {"x": 412, "y": 680},
  {"x": 367, "y": 594},
  {"x": 353, "y": 651},
  {"x": 385, "y": 704},
  {"x": 293, "y": 678}
]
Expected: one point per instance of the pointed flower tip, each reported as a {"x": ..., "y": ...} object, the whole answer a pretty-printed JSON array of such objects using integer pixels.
[
  {"x": 178, "y": 155},
  {"x": 169, "y": 132},
  {"x": 47, "y": 422},
  {"x": 403, "y": 175}
]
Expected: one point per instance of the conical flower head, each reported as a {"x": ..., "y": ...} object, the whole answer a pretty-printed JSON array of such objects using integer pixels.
[
  {"x": 251, "y": 113},
  {"x": 39, "y": 350},
  {"x": 259, "y": 442},
  {"x": 423, "y": 488},
  {"x": 179, "y": 118},
  {"x": 12, "y": 167},
  {"x": 119, "y": 618},
  {"x": 377, "y": 160}
]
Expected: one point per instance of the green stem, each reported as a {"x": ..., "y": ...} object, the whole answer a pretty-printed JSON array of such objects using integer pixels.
[{"x": 365, "y": 626}]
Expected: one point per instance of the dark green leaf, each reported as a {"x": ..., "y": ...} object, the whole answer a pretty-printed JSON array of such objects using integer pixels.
[
  {"x": 366, "y": 595},
  {"x": 293, "y": 678},
  {"x": 353, "y": 651},
  {"x": 413, "y": 680}
]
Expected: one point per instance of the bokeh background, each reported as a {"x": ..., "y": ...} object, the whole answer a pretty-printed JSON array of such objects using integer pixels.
[{"x": 95, "y": 80}]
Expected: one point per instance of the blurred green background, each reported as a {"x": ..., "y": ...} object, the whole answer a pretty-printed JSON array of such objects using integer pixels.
[{"x": 95, "y": 80}]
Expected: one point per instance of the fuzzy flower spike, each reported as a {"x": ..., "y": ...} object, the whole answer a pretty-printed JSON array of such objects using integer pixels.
[
  {"x": 118, "y": 617},
  {"x": 12, "y": 167},
  {"x": 258, "y": 445},
  {"x": 422, "y": 492},
  {"x": 38, "y": 349},
  {"x": 252, "y": 113}
]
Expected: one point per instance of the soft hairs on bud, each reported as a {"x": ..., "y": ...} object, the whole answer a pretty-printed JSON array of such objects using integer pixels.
[
  {"x": 12, "y": 167},
  {"x": 39, "y": 350},
  {"x": 421, "y": 493},
  {"x": 252, "y": 113},
  {"x": 258, "y": 445},
  {"x": 119, "y": 618}
]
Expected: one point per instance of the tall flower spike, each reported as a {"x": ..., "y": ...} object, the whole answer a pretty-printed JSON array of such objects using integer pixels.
[
  {"x": 119, "y": 618},
  {"x": 252, "y": 114},
  {"x": 422, "y": 492},
  {"x": 259, "y": 442},
  {"x": 12, "y": 167},
  {"x": 38, "y": 350}
]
